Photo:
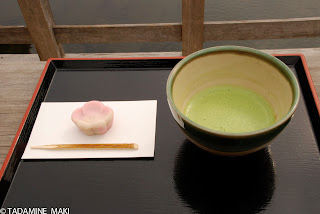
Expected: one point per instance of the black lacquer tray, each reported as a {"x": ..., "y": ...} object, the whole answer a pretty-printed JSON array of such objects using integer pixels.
[{"x": 283, "y": 178}]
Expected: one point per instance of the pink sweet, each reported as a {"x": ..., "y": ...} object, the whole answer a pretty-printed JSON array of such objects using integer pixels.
[{"x": 94, "y": 118}]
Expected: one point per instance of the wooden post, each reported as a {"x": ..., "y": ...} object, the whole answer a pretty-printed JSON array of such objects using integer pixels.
[
  {"x": 192, "y": 26},
  {"x": 39, "y": 19}
]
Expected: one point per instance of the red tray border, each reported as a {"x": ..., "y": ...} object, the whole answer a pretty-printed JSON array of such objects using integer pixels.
[{"x": 6, "y": 161}]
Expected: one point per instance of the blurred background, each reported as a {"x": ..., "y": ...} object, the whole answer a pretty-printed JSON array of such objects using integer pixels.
[{"x": 84, "y": 12}]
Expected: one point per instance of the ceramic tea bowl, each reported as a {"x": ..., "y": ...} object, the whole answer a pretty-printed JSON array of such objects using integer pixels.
[{"x": 232, "y": 100}]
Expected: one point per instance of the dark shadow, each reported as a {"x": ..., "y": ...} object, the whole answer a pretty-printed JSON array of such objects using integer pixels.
[
  {"x": 15, "y": 49},
  {"x": 214, "y": 184}
]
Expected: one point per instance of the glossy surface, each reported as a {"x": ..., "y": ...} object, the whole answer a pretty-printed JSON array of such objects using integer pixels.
[{"x": 181, "y": 178}]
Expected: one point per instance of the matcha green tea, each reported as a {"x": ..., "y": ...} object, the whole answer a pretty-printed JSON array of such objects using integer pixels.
[{"x": 230, "y": 109}]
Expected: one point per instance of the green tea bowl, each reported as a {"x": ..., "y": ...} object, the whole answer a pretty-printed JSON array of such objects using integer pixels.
[{"x": 232, "y": 100}]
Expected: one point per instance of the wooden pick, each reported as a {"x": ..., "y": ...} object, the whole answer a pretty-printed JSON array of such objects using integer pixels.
[{"x": 88, "y": 146}]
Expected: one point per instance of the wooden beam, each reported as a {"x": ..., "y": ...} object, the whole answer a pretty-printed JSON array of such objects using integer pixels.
[
  {"x": 39, "y": 19},
  {"x": 192, "y": 26},
  {"x": 214, "y": 30},
  {"x": 14, "y": 35},
  {"x": 262, "y": 29},
  {"x": 160, "y": 32}
]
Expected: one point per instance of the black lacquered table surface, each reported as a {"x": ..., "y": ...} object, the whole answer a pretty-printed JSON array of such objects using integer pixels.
[{"x": 181, "y": 178}]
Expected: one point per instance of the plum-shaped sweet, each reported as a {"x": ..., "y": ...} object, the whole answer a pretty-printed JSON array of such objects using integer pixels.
[{"x": 94, "y": 118}]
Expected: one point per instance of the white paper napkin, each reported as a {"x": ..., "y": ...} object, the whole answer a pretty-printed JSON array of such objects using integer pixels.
[{"x": 134, "y": 122}]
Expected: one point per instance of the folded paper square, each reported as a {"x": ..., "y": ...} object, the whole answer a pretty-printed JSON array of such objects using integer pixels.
[{"x": 134, "y": 122}]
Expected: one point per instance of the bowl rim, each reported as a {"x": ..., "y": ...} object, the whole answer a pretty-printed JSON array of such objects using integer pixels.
[{"x": 269, "y": 58}]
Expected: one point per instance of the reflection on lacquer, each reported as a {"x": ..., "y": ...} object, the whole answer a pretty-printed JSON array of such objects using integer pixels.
[{"x": 213, "y": 184}]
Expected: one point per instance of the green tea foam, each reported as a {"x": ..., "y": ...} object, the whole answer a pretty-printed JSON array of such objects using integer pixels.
[{"x": 230, "y": 109}]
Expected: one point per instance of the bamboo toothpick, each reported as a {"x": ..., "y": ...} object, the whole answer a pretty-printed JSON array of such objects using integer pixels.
[{"x": 88, "y": 146}]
